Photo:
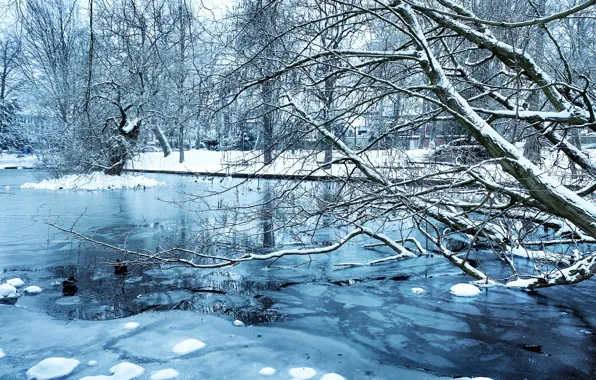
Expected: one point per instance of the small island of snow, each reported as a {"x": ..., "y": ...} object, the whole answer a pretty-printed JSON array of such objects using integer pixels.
[
  {"x": 188, "y": 346},
  {"x": 267, "y": 371},
  {"x": 124, "y": 370},
  {"x": 52, "y": 368},
  {"x": 464, "y": 290},
  {"x": 7, "y": 291},
  {"x": 16, "y": 282},
  {"x": 94, "y": 181},
  {"x": 32, "y": 290},
  {"x": 131, "y": 325},
  {"x": 303, "y": 373},
  {"x": 165, "y": 374}
]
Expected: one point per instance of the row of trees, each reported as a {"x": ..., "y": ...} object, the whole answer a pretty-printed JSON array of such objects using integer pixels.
[{"x": 516, "y": 71}]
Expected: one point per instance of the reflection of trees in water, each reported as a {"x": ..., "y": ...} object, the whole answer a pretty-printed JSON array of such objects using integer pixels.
[
  {"x": 267, "y": 216},
  {"x": 103, "y": 295}
]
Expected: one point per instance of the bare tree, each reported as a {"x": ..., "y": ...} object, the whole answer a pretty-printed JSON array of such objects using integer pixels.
[{"x": 501, "y": 206}]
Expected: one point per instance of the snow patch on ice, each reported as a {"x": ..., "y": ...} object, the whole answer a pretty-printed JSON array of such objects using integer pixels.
[
  {"x": 267, "y": 371},
  {"x": 94, "y": 181},
  {"x": 303, "y": 373},
  {"x": 165, "y": 374},
  {"x": 131, "y": 325},
  {"x": 2, "y": 354},
  {"x": 92, "y": 363},
  {"x": 464, "y": 290},
  {"x": 16, "y": 282},
  {"x": 122, "y": 371},
  {"x": 52, "y": 368},
  {"x": 521, "y": 283},
  {"x": 188, "y": 346},
  {"x": 418, "y": 290},
  {"x": 7, "y": 291},
  {"x": 32, "y": 290}
]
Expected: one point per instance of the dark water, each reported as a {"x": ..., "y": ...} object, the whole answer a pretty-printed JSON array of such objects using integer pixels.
[{"x": 503, "y": 333}]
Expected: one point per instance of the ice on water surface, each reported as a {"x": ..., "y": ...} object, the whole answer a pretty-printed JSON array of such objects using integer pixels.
[{"x": 165, "y": 374}]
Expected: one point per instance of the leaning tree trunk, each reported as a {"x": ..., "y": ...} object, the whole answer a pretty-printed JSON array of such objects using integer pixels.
[
  {"x": 558, "y": 199},
  {"x": 163, "y": 140}
]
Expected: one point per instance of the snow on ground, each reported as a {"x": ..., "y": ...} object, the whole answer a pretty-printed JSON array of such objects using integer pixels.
[
  {"x": 464, "y": 290},
  {"x": 122, "y": 371},
  {"x": 164, "y": 374},
  {"x": 92, "y": 363},
  {"x": 188, "y": 346},
  {"x": 303, "y": 373},
  {"x": 2, "y": 354},
  {"x": 267, "y": 371},
  {"x": 16, "y": 282},
  {"x": 7, "y": 291},
  {"x": 418, "y": 290},
  {"x": 14, "y": 161},
  {"x": 94, "y": 181},
  {"x": 238, "y": 323},
  {"x": 131, "y": 325},
  {"x": 52, "y": 368},
  {"x": 32, "y": 290}
]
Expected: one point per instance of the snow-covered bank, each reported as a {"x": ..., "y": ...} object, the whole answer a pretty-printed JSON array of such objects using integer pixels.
[
  {"x": 17, "y": 161},
  {"x": 229, "y": 352},
  {"x": 94, "y": 181},
  {"x": 285, "y": 164}
]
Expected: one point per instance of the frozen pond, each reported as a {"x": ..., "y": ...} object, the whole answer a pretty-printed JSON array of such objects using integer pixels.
[{"x": 362, "y": 323}]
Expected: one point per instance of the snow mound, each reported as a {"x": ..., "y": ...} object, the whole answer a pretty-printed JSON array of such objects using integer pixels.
[
  {"x": 238, "y": 323},
  {"x": 52, "y": 368},
  {"x": 165, "y": 374},
  {"x": 303, "y": 373},
  {"x": 188, "y": 346},
  {"x": 2, "y": 354},
  {"x": 16, "y": 282},
  {"x": 131, "y": 325},
  {"x": 464, "y": 290},
  {"x": 32, "y": 290},
  {"x": 7, "y": 291},
  {"x": 418, "y": 290},
  {"x": 94, "y": 181},
  {"x": 122, "y": 371},
  {"x": 267, "y": 371},
  {"x": 520, "y": 283},
  {"x": 332, "y": 376},
  {"x": 92, "y": 363}
]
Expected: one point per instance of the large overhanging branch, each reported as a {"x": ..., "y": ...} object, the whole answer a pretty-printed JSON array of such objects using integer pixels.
[
  {"x": 509, "y": 55},
  {"x": 558, "y": 199}
]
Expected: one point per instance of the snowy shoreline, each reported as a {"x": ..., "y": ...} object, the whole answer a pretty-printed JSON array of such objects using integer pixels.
[{"x": 94, "y": 181}]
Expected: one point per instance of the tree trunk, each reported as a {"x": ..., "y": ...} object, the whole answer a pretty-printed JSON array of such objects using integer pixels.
[
  {"x": 267, "y": 96},
  {"x": 162, "y": 139}
]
